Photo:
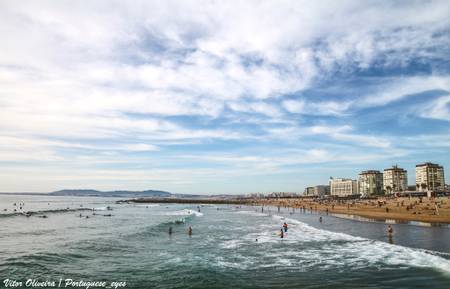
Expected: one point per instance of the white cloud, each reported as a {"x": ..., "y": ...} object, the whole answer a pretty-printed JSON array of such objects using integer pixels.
[
  {"x": 437, "y": 109},
  {"x": 73, "y": 75},
  {"x": 334, "y": 108},
  {"x": 400, "y": 88}
]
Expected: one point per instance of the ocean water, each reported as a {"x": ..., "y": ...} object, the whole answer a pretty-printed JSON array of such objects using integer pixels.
[{"x": 230, "y": 247}]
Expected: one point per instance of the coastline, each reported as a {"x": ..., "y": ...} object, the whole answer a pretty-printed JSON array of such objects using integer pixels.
[{"x": 400, "y": 209}]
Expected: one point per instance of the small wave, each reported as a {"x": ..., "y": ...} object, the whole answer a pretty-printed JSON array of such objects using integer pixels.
[
  {"x": 330, "y": 249},
  {"x": 362, "y": 251},
  {"x": 184, "y": 212},
  {"x": 41, "y": 212},
  {"x": 148, "y": 206},
  {"x": 251, "y": 213}
]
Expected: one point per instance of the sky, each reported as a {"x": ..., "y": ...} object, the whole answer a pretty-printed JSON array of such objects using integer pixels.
[{"x": 215, "y": 97}]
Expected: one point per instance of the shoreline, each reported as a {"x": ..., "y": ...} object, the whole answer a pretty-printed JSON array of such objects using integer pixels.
[{"x": 405, "y": 209}]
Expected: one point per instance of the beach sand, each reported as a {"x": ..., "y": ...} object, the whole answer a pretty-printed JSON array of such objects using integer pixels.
[{"x": 434, "y": 210}]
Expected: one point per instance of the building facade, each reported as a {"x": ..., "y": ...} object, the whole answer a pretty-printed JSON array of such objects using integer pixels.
[
  {"x": 343, "y": 187},
  {"x": 320, "y": 190},
  {"x": 395, "y": 179},
  {"x": 429, "y": 177},
  {"x": 370, "y": 183},
  {"x": 309, "y": 191}
]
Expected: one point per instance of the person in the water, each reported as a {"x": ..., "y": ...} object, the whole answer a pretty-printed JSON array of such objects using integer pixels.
[
  {"x": 190, "y": 231},
  {"x": 285, "y": 226},
  {"x": 281, "y": 233},
  {"x": 390, "y": 230},
  {"x": 170, "y": 230},
  {"x": 320, "y": 219}
]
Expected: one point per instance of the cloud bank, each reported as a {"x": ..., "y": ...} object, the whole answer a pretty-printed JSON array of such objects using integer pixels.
[{"x": 109, "y": 94}]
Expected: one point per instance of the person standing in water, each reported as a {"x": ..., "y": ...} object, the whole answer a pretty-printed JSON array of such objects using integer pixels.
[
  {"x": 320, "y": 219},
  {"x": 281, "y": 233},
  {"x": 190, "y": 231},
  {"x": 390, "y": 230},
  {"x": 285, "y": 227},
  {"x": 170, "y": 231}
]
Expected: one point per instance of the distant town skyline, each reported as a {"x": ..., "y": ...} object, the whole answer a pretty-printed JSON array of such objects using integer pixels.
[{"x": 220, "y": 97}]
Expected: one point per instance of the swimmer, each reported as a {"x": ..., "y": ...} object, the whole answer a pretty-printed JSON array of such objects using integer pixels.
[
  {"x": 190, "y": 231},
  {"x": 320, "y": 219},
  {"x": 170, "y": 230}
]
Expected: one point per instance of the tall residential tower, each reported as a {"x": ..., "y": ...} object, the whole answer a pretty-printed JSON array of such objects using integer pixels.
[
  {"x": 370, "y": 183},
  {"x": 429, "y": 177},
  {"x": 395, "y": 179}
]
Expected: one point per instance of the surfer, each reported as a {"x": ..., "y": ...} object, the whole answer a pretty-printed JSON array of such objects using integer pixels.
[
  {"x": 190, "y": 231},
  {"x": 285, "y": 227}
]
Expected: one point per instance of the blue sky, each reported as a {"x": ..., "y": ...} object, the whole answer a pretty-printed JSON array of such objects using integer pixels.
[{"x": 220, "y": 96}]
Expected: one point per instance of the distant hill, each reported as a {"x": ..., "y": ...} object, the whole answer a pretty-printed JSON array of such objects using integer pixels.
[
  {"x": 123, "y": 194},
  {"x": 95, "y": 193}
]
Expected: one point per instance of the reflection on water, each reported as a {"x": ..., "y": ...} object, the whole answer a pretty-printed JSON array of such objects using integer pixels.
[
  {"x": 391, "y": 240},
  {"x": 390, "y": 221}
]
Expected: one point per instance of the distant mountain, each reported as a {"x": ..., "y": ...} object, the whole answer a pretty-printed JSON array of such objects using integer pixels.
[
  {"x": 95, "y": 193},
  {"x": 124, "y": 194}
]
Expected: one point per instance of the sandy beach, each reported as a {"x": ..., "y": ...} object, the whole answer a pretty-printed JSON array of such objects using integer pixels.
[
  {"x": 435, "y": 210},
  {"x": 421, "y": 209}
]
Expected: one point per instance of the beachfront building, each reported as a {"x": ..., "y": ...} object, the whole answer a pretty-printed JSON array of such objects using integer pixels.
[
  {"x": 343, "y": 187},
  {"x": 429, "y": 177},
  {"x": 309, "y": 191},
  {"x": 395, "y": 179},
  {"x": 320, "y": 190},
  {"x": 370, "y": 183}
]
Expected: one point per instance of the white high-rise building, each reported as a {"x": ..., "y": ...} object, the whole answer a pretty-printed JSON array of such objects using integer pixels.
[
  {"x": 343, "y": 187},
  {"x": 430, "y": 177},
  {"x": 395, "y": 179},
  {"x": 370, "y": 183}
]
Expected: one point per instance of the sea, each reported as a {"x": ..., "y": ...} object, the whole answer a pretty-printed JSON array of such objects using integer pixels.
[{"x": 79, "y": 242}]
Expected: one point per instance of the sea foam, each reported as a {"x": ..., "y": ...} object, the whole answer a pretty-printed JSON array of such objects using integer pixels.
[
  {"x": 185, "y": 212},
  {"x": 305, "y": 246}
]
